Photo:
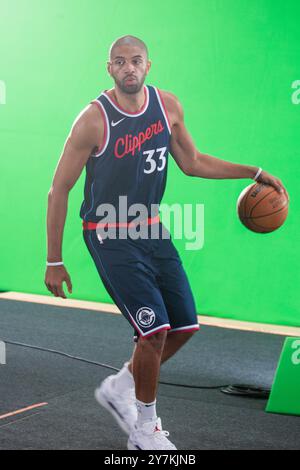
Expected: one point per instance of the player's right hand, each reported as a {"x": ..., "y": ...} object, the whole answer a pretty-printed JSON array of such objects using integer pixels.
[{"x": 54, "y": 278}]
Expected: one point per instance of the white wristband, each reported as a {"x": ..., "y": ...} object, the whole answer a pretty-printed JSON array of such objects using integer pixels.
[
  {"x": 59, "y": 263},
  {"x": 257, "y": 174}
]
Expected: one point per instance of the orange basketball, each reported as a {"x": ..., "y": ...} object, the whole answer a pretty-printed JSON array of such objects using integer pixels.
[{"x": 261, "y": 208}]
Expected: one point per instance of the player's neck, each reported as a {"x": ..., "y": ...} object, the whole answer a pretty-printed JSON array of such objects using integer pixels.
[{"x": 131, "y": 103}]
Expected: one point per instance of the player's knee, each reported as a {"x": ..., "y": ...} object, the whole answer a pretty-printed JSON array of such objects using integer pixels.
[
  {"x": 186, "y": 336},
  {"x": 191, "y": 333},
  {"x": 154, "y": 342}
]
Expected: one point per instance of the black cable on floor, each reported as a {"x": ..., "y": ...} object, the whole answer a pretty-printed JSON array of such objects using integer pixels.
[{"x": 99, "y": 364}]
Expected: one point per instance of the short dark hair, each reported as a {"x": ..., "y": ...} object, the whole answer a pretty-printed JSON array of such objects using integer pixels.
[{"x": 128, "y": 40}]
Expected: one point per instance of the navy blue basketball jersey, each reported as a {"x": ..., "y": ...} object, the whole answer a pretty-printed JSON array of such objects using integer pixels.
[{"x": 133, "y": 158}]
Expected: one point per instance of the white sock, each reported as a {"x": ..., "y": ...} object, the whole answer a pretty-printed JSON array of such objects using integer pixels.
[
  {"x": 123, "y": 380},
  {"x": 146, "y": 411}
]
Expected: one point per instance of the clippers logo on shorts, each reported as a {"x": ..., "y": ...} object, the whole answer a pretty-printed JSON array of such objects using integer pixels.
[{"x": 145, "y": 317}]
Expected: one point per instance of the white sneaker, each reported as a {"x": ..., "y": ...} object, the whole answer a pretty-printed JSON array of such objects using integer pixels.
[
  {"x": 149, "y": 436},
  {"x": 122, "y": 407}
]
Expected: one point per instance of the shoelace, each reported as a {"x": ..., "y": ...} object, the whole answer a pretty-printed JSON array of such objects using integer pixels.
[
  {"x": 161, "y": 434},
  {"x": 162, "y": 437}
]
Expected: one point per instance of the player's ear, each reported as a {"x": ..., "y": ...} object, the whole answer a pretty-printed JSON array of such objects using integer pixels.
[
  {"x": 109, "y": 67},
  {"x": 149, "y": 63}
]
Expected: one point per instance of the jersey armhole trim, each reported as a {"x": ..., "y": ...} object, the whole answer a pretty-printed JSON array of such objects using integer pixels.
[
  {"x": 163, "y": 108},
  {"x": 106, "y": 134}
]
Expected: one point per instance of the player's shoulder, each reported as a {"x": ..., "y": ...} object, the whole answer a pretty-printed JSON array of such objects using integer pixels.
[
  {"x": 172, "y": 103},
  {"x": 90, "y": 115},
  {"x": 169, "y": 97},
  {"x": 88, "y": 125},
  {"x": 89, "y": 119}
]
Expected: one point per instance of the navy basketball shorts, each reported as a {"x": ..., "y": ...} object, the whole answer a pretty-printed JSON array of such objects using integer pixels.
[{"x": 146, "y": 280}]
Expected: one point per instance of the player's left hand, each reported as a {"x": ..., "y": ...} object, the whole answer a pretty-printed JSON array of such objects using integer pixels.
[{"x": 266, "y": 178}]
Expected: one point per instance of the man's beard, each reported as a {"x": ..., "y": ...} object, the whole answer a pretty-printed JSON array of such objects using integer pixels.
[{"x": 130, "y": 89}]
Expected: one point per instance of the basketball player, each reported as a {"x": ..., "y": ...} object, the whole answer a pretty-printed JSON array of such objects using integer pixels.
[{"x": 124, "y": 138}]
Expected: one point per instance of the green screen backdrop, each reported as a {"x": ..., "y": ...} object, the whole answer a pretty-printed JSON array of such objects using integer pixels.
[{"x": 234, "y": 65}]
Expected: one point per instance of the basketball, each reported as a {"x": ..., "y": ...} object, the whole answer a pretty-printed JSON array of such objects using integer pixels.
[{"x": 261, "y": 208}]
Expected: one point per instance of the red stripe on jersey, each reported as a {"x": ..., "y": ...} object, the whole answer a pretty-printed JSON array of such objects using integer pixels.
[{"x": 95, "y": 225}]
